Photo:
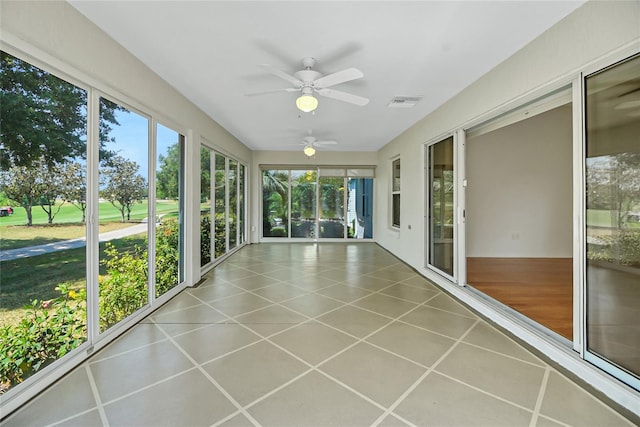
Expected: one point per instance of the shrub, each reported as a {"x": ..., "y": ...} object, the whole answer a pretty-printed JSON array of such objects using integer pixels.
[
  {"x": 205, "y": 238},
  {"x": 49, "y": 330},
  {"x": 278, "y": 232},
  {"x": 621, "y": 248},
  {"x": 167, "y": 255}
]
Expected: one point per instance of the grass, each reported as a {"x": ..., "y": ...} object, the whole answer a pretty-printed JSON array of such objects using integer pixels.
[
  {"x": 26, "y": 279},
  {"x": 71, "y": 214},
  {"x": 604, "y": 218},
  {"x": 14, "y": 234},
  {"x": 20, "y": 236}
]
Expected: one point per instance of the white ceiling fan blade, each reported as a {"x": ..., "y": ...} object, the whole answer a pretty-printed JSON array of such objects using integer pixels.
[
  {"x": 344, "y": 96},
  {"x": 266, "y": 92},
  {"x": 294, "y": 81},
  {"x": 338, "y": 77},
  {"x": 325, "y": 143}
]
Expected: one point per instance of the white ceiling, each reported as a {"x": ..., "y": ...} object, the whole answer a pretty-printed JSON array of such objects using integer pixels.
[{"x": 210, "y": 51}]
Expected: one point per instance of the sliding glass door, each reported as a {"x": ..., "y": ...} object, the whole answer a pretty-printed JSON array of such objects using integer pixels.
[
  {"x": 441, "y": 218},
  {"x": 612, "y": 99}
]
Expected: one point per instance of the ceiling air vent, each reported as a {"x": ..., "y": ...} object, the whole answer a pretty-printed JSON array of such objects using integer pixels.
[{"x": 403, "y": 101}]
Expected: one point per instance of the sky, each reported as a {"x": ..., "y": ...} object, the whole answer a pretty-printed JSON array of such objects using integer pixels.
[{"x": 131, "y": 138}]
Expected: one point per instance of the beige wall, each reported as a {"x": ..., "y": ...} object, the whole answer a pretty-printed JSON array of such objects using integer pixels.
[
  {"x": 592, "y": 31},
  {"x": 519, "y": 194}
]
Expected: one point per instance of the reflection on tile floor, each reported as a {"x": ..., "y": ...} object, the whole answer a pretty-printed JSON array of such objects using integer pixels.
[{"x": 315, "y": 335}]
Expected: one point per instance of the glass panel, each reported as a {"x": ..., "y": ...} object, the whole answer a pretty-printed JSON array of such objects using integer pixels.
[
  {"x": 395, "y": 215},
  {"x": 275, "y": 203},
  {"x": 169, "y": 150},
  {"x": 205, "y": 206},
  {"x": 396, "y": 175},
  {"x": 123, "y": 205},
  {"x": 303, "y": 204},
  {"x": 332, "y": 207},
  {"x": 613, "y": 214},
  {"x": 441, "y": 207},
  {"x": 233, "y": 203},
  {"x": 241, "y": 215},
  {"x": 220, "y": 206},
  {"x": 360, "y": 208},
  {"x": 43, "y": 189}
]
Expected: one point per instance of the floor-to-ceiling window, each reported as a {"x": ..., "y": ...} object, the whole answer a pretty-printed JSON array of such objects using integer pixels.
[
  {"x": 220, "y": 205},
  {"x": 303, "y": 203},
  {"x": 43, "y": 194},
  {"x": 275, "y": 203},
  {"x": 169, "y": 209},
  {"x": 223, "y": 210},
  {"x": 232, "y": 216},
  {"x": 331, "y": 203},
  {"x": 206, "y": 221},
  {"x": 324, "y": 203},
  {"x": 124, "y": 180},
  {"x": 441, "y": 206},
  {"x": 612, "y": 99}
]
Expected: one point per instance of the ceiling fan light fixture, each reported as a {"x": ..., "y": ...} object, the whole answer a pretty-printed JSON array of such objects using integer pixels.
[
  {"x": 309, "y": 150},
  {"x": 306, "y": 103}
]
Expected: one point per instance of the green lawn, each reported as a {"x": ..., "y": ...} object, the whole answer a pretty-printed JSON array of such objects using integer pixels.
[
  {"x": 71, "y": 214},
  {"x": 24, "y": 280},
  {"x": 604, "y": 218},
  {"x": 67, "y": 225}
]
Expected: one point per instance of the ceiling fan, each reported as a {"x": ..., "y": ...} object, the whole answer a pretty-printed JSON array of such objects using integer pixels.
[
  {"x": 310, "y": 82},
  {"x": 310, "y": 142}
]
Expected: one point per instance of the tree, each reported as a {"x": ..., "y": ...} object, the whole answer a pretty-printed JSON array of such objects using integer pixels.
[
  {"x": 613, "y": 183},
  {"x": 167, "y": 178},
  {"x": 123, "y": 185},
  {"x": 74, "y": 187},
  {"x": 205, "y": 174},
  {"x": 43, "y": 118},
  {"x": 52, "y": 184},
  {"x": 24, "y": 185}
]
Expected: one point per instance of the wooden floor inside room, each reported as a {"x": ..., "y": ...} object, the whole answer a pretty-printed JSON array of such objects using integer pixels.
[{"x": 539, "y": 288}]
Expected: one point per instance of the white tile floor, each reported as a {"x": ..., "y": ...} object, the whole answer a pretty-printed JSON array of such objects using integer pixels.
[{"x": 315, "y": 335}]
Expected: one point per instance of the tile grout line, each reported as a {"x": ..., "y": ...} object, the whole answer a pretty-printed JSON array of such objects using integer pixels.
[
  {"x": 96, "y": 396},
  {"x": 315, "y": 367},
  {"x": 212, "y": 380},
  {"x": 64, "y": 420},
  {"x": 541, "y": 393},
  {"x": 485, "y": 392},
  {"x": 416, "y": 383}
]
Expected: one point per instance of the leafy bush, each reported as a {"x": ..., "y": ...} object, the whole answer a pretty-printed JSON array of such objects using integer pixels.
[
  {"x": 205, "y": 238},
  {"x": 124, "y": 289},
  {"x": 49, "y": 330},
  {"x": 621, "y": 248},
  {"x": 167, "y": 255},
  {"x": 278, "y": 232}
]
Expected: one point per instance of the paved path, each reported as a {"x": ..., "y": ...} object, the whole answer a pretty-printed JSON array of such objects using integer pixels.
[{"x": 68, "y": 244}]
